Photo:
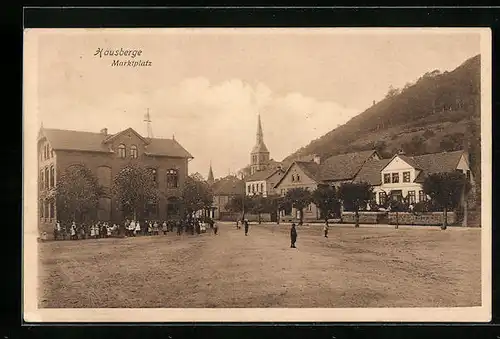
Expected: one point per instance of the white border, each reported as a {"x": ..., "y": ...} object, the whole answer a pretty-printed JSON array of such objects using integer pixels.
[{"x": 30, "y": 172}]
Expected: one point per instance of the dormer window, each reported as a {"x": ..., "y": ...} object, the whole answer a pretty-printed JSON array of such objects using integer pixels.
[
  {"x": 122, "y": 153},
  {"x": 133, "y": 152}
]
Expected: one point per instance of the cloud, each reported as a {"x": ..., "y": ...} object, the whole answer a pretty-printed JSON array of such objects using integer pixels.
[{"x": 213, "y": 121}]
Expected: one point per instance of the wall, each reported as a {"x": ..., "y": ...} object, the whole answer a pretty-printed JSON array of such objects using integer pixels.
[
  {"x": 364, "y": 217},
  {"x": 287, "y": 183},
  {"x": 431, "y": 218}
]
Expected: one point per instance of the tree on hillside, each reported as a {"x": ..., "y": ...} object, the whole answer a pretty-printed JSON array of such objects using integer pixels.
[
  {"x": 135, "y": 189},
  {"x": 325, "y": 198},
  {"x": 392, "y": 92},
  {"x": 452, "y": 142},
  {"x": 77, "y": 194},
  {"x": 446, "y": 190},
  {"x": 416, "y": 146},
  {"x": 355, "y": 195},
  {"x": 299, "y": 198},
  {"x": 196, "y": 196}
]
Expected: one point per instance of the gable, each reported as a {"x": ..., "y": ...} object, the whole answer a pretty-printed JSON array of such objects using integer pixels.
[
  {"x": 127, "y": 133},
  {"x": 463, "y": 164},
  {"x": 397, "y": 164},
  {"x": 292, "y": 172}
]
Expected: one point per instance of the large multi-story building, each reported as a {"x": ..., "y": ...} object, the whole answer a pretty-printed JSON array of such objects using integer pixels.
[{"x": 106, "y": 155}]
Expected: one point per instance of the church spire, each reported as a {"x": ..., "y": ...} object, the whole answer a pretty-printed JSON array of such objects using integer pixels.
[
  {"x": 260, "y": 134},
  {"x": 210, "y": 179}
]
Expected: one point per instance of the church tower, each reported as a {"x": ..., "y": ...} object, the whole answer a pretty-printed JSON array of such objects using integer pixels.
[
  {"x": 259, "y": 157},
  {"x": 210, "y": 178}
]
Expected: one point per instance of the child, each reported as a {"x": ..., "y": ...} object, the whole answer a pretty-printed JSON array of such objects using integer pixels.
[
  {"x": 73, "y": 231},
  {"x": 155, "y": 228},
  {"x": 150, "y": 228},
  {"x": 108, "y": 230},
  {"x": 164, "y": 228},
  {"x": 216, "y": 228},
  {"x": 92, "y": 231}
]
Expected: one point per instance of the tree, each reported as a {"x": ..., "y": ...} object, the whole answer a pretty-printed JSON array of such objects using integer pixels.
[
  {"x": 355, "y": 195},
  {"x": 446, "y": 190},
  {"x": 77, "y": 194},
  {"x": 325, "y": 198},
  {"x": 299, "y": 198},
  {"x": 196, "y": 195},
  {"x": 396, "y": 206},
  {"x": 392, "y": 92},
  {"x": 259, "y": 205},
  {"x": 240, "y": 204},
  {"x": 135, "y": 189}
]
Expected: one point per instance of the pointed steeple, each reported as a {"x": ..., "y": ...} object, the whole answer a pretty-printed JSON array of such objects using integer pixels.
[
  {"x": 260, "y": 134},
  {"x": 210, "y": 179}
]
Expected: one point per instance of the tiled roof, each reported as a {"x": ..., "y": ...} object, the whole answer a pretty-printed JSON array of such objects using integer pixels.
[
  {"x": 260, "y": 148},
  {"x": 310, "y": 168},
  {"x": 262, "y": 175},
  {"x": 437, "y": 162},
  {"x": 229, "y": 185},
  {"x": 343, "y": 166},
  {"x": 370, "y": 172},
  {"x": 93, "y": 142}
]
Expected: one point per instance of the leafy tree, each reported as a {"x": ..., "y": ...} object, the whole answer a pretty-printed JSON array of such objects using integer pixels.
[
  {"x": 259, "y": 205},
  {"x": 134, "y": 189},
  {"x": 355, "y": 195},
  {"x": 77, "y": 194},
  {"x": 240, "y": 204},
  {"x": 416, "y": 146},
  {"x": 196, "y": 195},
  {"x": 392, "y": 92},
  {"x": 299, "y": 198},
  {"x": 446, "y": 190},
  {"x": 396, "y": 206},
  {"x": 325, "y": 198}
]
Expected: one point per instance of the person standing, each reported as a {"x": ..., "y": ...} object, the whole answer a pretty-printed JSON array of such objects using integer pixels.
[
  {"x": 164, "y": 227},
  {"x": 246, "y": 226},
  {"x": 325, "y": 229},
  {"x": 179, "y": 227},
  {"x": 137, "y": 229},
  {"x": 215, "y": 227},
  {"x": 293, "y": 236},
  {"x": 73, "y": 231}
]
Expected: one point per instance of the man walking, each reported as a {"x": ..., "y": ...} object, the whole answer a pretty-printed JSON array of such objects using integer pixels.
[
  {"x": 293, "y": 236},
  {"x": 325, "y": 229},
  {"x": 246, "y": 226}
]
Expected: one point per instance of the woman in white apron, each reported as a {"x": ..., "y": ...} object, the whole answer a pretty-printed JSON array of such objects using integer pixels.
[
  {"x": 92, "y": 231},
  {"x": 131, "y": 228},
  {"x": 137, "y": 228},
  {"x": 73, "y": 231}
]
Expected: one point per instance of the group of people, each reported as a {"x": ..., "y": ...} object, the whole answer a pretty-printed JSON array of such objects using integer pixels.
[{"x": 129, "y": 228}]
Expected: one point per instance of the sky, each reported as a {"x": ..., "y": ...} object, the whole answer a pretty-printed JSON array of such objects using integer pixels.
[{"x": 206, "y": 87}]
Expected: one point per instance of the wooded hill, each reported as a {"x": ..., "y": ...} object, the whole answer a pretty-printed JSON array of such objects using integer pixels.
[{"x": 439, "y": 112}]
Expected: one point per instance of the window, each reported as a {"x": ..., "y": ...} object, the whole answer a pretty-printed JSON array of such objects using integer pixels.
[
  {"x": 133, "y": 152},
  {"x": 395, "y": 178},
  {"x": 406, "y": 176},
  {"x": 293, "y": 177},
  {"x": 52, "y": 179},
  {"x": 45, "y": 209},
  {"x": 421, "y": 196},
  {"x": 309, "y": 207},
  {"x": 262, "y": 187},
  {"x": 253, "y": 188},
  {"x": 382, "y": 198},
  {"x": 468, "y": 175},
  {"x": 172, "y": 178},
  {"x": 122, "y": 153},
  {"x": 41, "y": 210},
  {"x": 411, "y": 197},
  {"x": 51, "y": 210},
  {"x": 154, "y": 175},
  {"x": 387, "y": 178},
  {"x": 172, "y": 206},
  {"x": 42, "y": 184},
  {"x": 46, "y": 177},
  {"x": 298, "y": 177},
  {"x": 249, "y": 188},
  {"x": 282, "y": 191}
]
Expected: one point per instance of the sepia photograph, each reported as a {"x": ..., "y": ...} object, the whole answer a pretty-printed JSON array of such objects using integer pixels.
[{"x": 244, "y": 174}]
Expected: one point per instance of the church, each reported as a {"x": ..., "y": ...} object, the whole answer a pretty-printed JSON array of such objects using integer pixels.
[
  {"x": 264, "y": 172},
  {"x": 106, "y": 154}
]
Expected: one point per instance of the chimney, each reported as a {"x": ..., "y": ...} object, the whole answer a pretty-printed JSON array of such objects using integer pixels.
[
  {"x": 317, "y": 159},
  {"x": 104, "y": 131}
]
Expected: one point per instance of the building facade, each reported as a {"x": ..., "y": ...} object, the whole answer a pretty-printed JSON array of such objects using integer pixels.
[
  {"x": 106, "y": 155},
  {"x": 263, "y": 182},
  {"x": 224, "y": 190}
]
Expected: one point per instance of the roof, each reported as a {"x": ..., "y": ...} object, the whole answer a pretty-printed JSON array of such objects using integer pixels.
[
  {"x": 229, "y": 185},
  {"x": 95, "y": 142},
  {"x": 371, "y": 170},
  {"x": 260, "y": 148},
  {"x": 262, "y": 175},
  {"x": 310, "y": 168},
  {"x": 437, "y": 162},
  {"x": 343, "y": 166}
]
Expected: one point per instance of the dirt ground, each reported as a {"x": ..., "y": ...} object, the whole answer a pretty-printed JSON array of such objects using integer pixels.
[{"x": 363, "y": 267}]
